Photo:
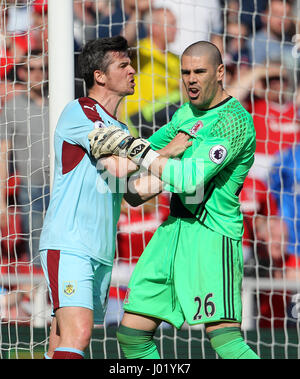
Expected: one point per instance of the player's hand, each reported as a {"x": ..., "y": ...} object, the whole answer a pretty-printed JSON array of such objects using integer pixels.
[
  {"x": 177, "y": 146},
  {"x": 114, "y": 141},
  {"x": 110, "y": 140}
]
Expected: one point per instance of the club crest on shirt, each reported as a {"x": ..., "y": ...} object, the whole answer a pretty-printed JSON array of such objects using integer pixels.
[
  {"x": 217, "y": 154},
  {"x": 69, "y": 288},
  {"x": 199, "y": 125}
]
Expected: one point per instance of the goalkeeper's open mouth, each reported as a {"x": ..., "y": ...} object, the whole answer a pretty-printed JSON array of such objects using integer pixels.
[{"x": 193, "y": 93}]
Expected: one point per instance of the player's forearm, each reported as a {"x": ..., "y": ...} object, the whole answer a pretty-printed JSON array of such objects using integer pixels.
[
  {"x": 118, "y": 166},
  {"x": 113, "y": 140},
  {"x": 184, "y": 175},
  {"x": 157, "y": 166},
  {"x": 142, "y": 189}
]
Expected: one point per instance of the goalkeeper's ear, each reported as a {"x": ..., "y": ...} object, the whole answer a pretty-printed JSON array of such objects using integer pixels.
[{"x": 220, "y": 72}]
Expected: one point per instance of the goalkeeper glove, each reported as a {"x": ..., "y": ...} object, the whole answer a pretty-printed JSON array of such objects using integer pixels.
[{"x": 113, "y": 140}]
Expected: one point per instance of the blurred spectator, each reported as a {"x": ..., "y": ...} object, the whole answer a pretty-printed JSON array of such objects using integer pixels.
[
  {"x": 285, "y": 186},
  {"x": 273, "y": 41},
  {"x": 17, "y": 295},
  {"x": 12, "y": 306},
  {"x": 275, "y": 120},
  {"x": 236, "y": 55},
  {"x": 236, "y": 50},
  {"x": 88, "y": 15},
  {"x": 85, "y": 20},
  {"x": 14, "y": 45},
  {"x": 257, "y": 205},
  {"x": 265, "y": 91},
  {"x": 272, "y": 235},
  {"x": 252, "y": 14},
  {"x": 11, "y": 46},
  {"x": 126, "y": 19},
  {"x": 135, "y": 229},
  {"x": 231, "y": 11},
  {"x": 10, "y": 225},
  {"x": 246, "y": 12},
  {"x": 25, "y": 145},
  {"x": 18, "y": 16},
  {"x": 39, "y": 26},
  {"x": 196, "y": 20},
  {"x": 157, "y": 94},
  {"x": 264, "y": 247}
]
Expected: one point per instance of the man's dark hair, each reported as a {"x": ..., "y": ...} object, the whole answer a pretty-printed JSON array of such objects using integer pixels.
[{"x": 94, "y": 56}]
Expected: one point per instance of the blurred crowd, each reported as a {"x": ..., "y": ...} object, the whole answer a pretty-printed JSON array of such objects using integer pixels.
[{"x": 259, "y": 43}]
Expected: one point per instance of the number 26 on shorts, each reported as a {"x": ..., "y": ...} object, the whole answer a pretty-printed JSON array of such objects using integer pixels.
[{"x": 209, "y": 307}]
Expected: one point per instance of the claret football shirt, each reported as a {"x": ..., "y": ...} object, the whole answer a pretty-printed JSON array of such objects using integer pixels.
[{"x": 85, "y": 204}]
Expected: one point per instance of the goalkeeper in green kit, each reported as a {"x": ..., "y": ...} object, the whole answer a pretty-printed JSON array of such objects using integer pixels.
[{"x": 192, "y": 268}]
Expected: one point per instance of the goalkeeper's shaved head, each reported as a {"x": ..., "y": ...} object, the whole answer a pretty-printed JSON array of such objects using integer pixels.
[
  {"x": 205, "y": 48},
  {"x": 202, "y": 72}
]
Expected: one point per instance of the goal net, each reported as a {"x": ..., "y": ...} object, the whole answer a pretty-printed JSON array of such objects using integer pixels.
[{"x": 259, "y": 44}]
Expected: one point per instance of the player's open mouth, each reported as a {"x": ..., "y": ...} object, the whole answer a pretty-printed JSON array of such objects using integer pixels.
[{"x": 194, "y": 92}]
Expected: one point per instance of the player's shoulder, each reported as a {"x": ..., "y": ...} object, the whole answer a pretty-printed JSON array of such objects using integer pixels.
[
  {"x": 72, "y": 109},
  {"x": 234, "y": 109},
  {"x": 234, "y": 123},
  {"x": 83, "y": 110},
  {"x": 233, "y": 113},
  {"x": 184, "y": 110},
  {"x": 83, "y": 106}
]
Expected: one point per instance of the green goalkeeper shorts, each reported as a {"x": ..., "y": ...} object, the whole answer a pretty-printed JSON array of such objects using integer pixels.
[{"x": 188, "y": 272}]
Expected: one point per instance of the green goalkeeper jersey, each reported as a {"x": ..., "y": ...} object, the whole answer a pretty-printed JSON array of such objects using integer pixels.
[{"x": 208, "y": 178}]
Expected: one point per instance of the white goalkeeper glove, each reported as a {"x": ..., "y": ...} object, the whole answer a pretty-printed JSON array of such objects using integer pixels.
[{"x": 113, "y": 140}]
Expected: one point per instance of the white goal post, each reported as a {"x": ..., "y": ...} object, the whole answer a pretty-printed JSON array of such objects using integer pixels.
[{"x": 61, "y": 64}]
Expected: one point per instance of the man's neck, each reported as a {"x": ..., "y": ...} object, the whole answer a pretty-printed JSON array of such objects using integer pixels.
[
  {"x": 109, "y": 102},
  {"x": 220, "y": 96}
]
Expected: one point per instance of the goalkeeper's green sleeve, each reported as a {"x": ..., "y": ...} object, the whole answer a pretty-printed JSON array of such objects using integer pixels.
[{"x": 185, "y": 175}]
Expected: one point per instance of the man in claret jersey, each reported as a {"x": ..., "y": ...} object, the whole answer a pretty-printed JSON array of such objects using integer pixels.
[{"x": 76, "y": 252}]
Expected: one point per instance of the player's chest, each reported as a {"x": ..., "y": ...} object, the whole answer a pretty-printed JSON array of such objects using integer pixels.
[{"x": 199, "y": 128}]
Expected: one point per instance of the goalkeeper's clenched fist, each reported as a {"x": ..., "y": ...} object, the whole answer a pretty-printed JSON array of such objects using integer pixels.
[{"x": 110, "y": 140}]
